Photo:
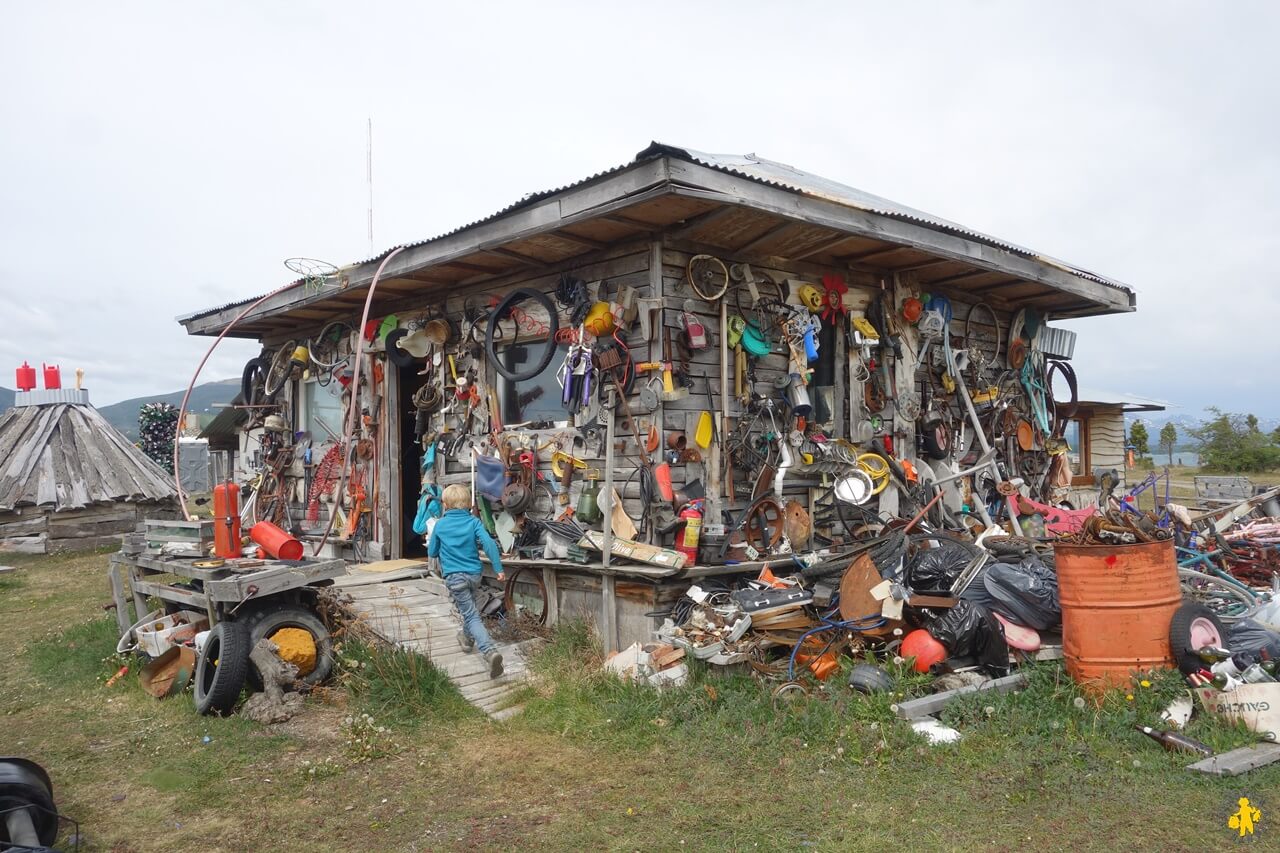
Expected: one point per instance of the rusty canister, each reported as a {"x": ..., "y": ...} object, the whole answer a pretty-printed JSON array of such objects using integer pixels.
[{"x": 1117, "y": 602}]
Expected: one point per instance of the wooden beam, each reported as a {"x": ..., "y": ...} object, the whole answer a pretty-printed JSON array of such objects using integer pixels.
[
  {"x": 531, "y": 263},
  {"x": 584, "y": 241},
  {"x": 766, "y": 237},
  {"x": 984, "y": 288},
  {"x": 866, "y": 256},
  {"x": 824, "y": 246},
  {"x": 952, "y": 278},
  {"x": 619, "y": 219},
  {"x": 936, "y": 262},
  {"x": 701, "y": 220}
]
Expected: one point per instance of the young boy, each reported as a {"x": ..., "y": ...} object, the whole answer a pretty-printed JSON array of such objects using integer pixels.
[{"x": 453, "y": 541}]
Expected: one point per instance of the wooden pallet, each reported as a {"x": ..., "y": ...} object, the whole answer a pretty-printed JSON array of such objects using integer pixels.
[{"x": 417, "y": 614}]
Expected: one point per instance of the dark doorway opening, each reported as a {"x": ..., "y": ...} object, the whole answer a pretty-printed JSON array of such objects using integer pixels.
[{"x": 411, "y": 544}]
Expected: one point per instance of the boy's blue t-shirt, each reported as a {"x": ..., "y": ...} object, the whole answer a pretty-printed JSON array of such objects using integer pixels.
[{"x": 454, "y": 540}]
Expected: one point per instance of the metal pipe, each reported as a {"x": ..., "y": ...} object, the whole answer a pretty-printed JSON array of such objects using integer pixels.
[
  {"x": 355, "y": 398},
  {"x": 182, "y": 409}
]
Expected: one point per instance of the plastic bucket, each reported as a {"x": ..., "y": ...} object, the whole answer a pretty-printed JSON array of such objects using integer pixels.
[
  {"x": 1117, "y": 602},
  {"x": 275, "y": 541}
]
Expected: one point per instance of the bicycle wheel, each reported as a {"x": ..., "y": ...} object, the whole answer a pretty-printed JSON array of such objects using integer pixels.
[
  {"x": 279, "y": 371},
  {"x": 1229, "y": 602},
  {"x": 982, "y": 338},
  {"x": 326, "y": 347}
]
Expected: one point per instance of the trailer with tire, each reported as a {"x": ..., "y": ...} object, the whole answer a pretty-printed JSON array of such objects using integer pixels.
[{"x": 243, "y": 601}]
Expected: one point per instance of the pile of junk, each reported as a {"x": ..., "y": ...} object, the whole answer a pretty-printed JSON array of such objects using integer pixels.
[{"x": 1118, "y": 595}]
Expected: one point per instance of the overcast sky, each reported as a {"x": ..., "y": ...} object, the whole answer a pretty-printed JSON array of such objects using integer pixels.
[{"x": 159, "y": 159}]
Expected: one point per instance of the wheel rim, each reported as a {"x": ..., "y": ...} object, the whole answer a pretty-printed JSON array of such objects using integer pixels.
[{"x": 1202, "y": 632}]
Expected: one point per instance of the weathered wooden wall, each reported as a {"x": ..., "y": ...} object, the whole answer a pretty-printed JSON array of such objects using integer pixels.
[{"x": 36, "y": 530}]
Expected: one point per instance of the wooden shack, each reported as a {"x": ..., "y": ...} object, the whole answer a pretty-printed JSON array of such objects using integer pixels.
[
  {"x": 69, "y": 480},
  {"x": 900, "y": 304}
]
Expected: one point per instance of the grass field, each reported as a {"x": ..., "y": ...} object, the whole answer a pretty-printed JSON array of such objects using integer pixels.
[{"x": 591, "y": 764}]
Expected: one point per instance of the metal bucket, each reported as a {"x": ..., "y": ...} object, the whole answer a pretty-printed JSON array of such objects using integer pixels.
[{"x": 1117, "y": 602}]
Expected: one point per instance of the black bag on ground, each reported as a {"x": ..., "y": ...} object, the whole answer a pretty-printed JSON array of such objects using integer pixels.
[
  {"x": 1253, "y": 637},
  {"x": 935, "y": 569},
  {"x": 969, "y": 630},
  {"x": 1026, "y": 593}
]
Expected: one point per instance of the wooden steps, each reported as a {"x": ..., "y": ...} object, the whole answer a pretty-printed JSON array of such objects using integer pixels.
[{"x": 417, "y": 614}]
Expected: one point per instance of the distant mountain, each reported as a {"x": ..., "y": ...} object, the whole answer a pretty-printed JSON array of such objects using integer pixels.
[
  {"x": 6, "y": 399},
  {"x": 207, "y": 398}
]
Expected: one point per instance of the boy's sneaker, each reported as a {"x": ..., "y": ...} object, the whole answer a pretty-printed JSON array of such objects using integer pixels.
[
  {"x": 494, "y": 659},
  {"x": 464, "y": 640}
]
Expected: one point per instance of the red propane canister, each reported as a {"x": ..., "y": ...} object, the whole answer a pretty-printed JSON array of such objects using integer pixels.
[
  {"x": 226, "y": 515},
  {"x": 26, "y": 378},
  {"x": 52, "y": 377}
]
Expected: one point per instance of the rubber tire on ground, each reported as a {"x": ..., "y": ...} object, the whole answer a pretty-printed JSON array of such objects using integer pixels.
[
  {"x": 218, "y": 685},
  {"x": 1180, "y": 634},
  {"x": 261, "y": 624},
  {"x": 549, "y": 348},
  {"x": 866, "y": 678}
]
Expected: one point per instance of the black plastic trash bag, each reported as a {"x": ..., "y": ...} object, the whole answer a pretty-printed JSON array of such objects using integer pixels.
[
  {"x": 1253, "y": 638},
  {"x": 1026, "y": 593},
  {"x": 935, "y": 569},
  {"x": 969, "y": 630}
]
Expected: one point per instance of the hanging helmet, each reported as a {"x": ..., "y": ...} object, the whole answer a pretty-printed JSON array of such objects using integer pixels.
[{"x": 599, "y": 320}]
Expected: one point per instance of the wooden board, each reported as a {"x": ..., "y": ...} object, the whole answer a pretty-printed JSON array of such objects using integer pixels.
[
  {"x": 418, "y": 615},
  {"x": 1239, "y": 760}
]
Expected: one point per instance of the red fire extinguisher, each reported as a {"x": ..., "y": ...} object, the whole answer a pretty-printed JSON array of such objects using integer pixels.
[
  {"x": 688, "y": 535},
  {"x": 226, "y": 515}
]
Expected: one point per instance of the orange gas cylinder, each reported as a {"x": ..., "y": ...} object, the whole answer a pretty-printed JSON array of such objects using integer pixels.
[
  {"x": 1117, "y": 602},
  {"x": 226, "y": 515}
]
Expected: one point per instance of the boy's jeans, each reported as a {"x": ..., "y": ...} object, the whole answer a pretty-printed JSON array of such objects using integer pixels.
[{"x": 462, "y": 587}]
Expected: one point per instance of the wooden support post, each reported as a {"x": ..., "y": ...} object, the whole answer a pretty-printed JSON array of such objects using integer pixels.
[
  {"x": 609, "y": 613},
  {"x": 139, "y": 599},
  {"x": 606, "y": 494},
  {"x": 115, "y": 575},
  {"x": 659, "y": 414},
  {"x": 553, "y": 596}
]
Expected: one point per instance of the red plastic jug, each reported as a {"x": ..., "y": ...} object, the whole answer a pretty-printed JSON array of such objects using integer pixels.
[{"x": 52, "y": 377}]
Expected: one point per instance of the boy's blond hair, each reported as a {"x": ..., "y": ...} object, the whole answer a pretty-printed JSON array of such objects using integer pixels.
[{"x": 456, "y": 496}]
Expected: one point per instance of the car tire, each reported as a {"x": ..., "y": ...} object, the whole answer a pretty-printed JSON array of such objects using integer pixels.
[
  {"x": 221, "y": 669},
  {"x": 261, "y": 624}
]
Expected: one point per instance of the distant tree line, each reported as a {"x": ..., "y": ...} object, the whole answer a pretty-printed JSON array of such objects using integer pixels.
[
  {"x": 1233, "y": 443},
  {"x": 1227, "y": 442}
]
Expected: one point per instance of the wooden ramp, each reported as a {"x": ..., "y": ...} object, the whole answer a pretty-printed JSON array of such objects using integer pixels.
[{"x": 412, "y": 610}]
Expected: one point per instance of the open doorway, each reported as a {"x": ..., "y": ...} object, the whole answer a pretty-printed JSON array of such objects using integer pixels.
[{"x": 411, "y": 544}]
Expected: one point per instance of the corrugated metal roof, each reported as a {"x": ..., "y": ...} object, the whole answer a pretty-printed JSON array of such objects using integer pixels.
[
  {"x": 757, "y": 169},
  {"x": 790, "y": 178},
  {"x": 1111, "y": 398},
  {"x": 68, "y": 456}
]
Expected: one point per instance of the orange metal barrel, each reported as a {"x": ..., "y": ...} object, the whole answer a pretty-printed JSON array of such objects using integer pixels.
[{"x": 1117, "y": 602}]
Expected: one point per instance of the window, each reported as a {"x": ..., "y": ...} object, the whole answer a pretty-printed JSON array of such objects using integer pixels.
[
  {"x": 1077, "y": 437},
  {"x": 536, "y": 399},
  {"x": 322, "y": 410}
]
